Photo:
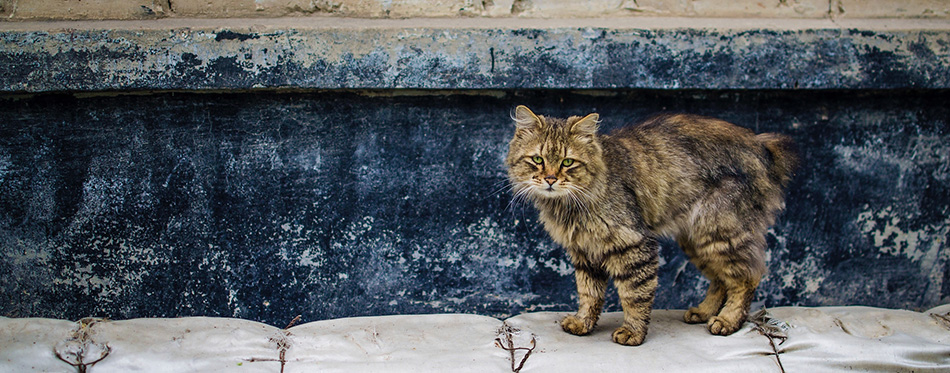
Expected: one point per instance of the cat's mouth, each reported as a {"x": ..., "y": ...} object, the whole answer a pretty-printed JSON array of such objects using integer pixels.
[
  {"x": 549, "y": 190},
  {"x": 545, "y": 190}
]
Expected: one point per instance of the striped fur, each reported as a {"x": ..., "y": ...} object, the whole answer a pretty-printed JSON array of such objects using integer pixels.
[{"x": 712, "y": 186}]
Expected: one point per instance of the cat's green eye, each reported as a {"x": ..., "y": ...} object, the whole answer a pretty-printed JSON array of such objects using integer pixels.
[
  {"x": 567, "y": 162},
  {"x": 537, "y": 159}
]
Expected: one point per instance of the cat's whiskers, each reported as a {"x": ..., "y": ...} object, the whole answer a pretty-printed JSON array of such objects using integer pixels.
[
  {"x": 580, "y": 198},
  {"x": 502, "y": 186},
  {"x": 576, "y": 204},
  {"x": 522, "y": 192},
  {"x": 583, "y": 191},
  {"x": 498, "y": 187}
]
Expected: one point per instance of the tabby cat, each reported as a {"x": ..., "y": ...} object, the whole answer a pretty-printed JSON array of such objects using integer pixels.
[{"x": 712, "y": 186}]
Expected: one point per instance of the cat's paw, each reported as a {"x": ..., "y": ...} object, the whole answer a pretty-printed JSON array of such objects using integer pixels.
[
  {"x": 629, "y": 337},
  {"x": 577, "y": 326},
  {"x": 695, "y": 316},
  {"x": 722, "y": 326}
]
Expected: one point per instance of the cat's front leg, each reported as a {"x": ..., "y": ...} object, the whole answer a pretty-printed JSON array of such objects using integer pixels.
[
  {"x": 637, "y": 302},
  {"x": 591, "y": 285},
  {"x": 635, "y": 276}
]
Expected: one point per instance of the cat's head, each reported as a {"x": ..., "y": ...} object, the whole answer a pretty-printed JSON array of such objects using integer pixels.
[{"x": 550, "y": 158}]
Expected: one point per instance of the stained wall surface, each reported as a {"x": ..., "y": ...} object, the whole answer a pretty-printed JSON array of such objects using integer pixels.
[{"x": 264, "y": 205}]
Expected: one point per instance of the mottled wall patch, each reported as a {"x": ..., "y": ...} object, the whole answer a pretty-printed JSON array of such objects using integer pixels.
[{"x": 266, "y": 205}]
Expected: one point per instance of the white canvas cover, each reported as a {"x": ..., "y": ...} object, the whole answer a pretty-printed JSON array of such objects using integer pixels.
[{"x": 792, "y": 339}]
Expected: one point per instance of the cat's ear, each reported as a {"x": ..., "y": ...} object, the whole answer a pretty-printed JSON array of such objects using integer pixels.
[
  {"x": 587, "y": 125},
  {"x": 525, "y": 119}
]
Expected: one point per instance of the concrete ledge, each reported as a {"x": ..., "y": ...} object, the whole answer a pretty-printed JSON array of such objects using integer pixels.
[
  {"x": 330, "y": 53},
  {"x": 150, "y": 9}
]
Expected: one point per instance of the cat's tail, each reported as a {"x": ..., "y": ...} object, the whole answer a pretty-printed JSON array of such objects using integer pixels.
[{"x": 784, "y": 156}]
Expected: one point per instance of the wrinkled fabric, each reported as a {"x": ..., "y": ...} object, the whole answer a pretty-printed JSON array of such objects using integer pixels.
[
  {"x": 794, "y": 339},
  {"x": 410, "y": 343},
  {"x": 833, "y": 339}
]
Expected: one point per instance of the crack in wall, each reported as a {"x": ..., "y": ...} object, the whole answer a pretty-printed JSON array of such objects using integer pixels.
[{"x": 835, "y": 8}]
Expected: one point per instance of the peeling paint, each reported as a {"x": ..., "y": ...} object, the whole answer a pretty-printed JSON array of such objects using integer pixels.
[
  {"x": 926, "y": 246},
  {"x": 924, "y": 151},
  {"x": 807, "y": 275},
  {"x": 892, "y": 240}
]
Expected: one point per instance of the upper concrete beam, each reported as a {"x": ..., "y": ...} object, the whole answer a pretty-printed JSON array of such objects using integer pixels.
[
  {"x": 150, "y": 9},
  {"x": 327, "y": 53}
]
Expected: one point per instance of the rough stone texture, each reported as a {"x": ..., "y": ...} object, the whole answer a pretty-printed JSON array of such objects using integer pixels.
[
  {"x": 694, "y": 8},
  {"x": 144, "y": 9},
  {"x": 481, "y": 54},
  {"x": 265, "y": 205},
  {"x": 83, "y": 9},
  {"x": 888, "y": 8},
  {"x": 244, "y": 8}
]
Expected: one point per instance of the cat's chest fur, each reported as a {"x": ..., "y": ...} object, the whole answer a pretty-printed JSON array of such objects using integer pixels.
[{"x": 606, "y": 225}]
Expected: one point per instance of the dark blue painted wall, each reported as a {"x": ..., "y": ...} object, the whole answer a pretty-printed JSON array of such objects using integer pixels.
[{"x": 264, "y": 205}]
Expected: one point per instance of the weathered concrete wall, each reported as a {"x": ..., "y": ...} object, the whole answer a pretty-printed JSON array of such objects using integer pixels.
[
  {"x": 475, "y": 54},
  {"x": 264, "y": 205},
  {"x": 353, "y": 167},
  {"x": 150, "y": 9}
]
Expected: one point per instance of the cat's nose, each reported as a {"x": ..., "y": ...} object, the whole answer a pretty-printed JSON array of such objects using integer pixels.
[{"x": 551, "y": 179}]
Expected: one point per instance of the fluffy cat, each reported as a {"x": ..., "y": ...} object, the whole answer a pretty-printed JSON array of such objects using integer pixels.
[{"x": 712, "y": 186}]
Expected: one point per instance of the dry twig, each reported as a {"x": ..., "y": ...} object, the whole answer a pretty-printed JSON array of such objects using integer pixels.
[
  {"x": 282, "y": 340},
  {"x": 80, "y": 351},
  {"x": 509, "y": 345},
  {"x": 773, "y": 329},
  {"x": 944, "y": 319}
]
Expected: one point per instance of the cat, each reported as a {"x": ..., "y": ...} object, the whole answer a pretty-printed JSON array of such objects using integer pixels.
[{"x": 712, "y": 186}]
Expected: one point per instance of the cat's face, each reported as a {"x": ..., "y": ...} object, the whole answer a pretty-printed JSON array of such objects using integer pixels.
[{"x": 554, "y": 158}]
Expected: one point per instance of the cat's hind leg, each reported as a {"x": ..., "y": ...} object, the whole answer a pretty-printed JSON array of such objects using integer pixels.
[
  {"x": 726, "y": 242},
  {"x": 710, "y": 306},
  {"x": 734, "y": 312},
  {"x": 715, "y": 294},
  {"x": 736, "y": 265}
]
